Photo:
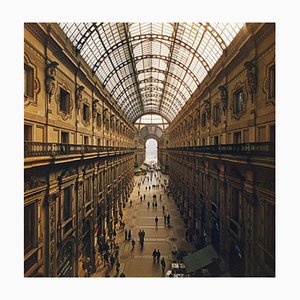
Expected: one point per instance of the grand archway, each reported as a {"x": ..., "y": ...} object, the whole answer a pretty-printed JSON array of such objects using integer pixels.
[{"x": 151, "y": 151}]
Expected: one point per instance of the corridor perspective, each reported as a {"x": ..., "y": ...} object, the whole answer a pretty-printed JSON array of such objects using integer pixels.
[{"x": 141, "y": 137}]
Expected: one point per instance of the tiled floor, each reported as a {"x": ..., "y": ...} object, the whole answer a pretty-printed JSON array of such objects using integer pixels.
[{"x": 139, "y": 262}]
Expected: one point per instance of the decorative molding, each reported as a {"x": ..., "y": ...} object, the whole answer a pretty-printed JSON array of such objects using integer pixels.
[
  {"x": 36, "y": 83},
  {"x": 64, "y": 115},
  {"x": 50, "y": 78},
  {"x": 266, "y": 83},
  {"x": 216, "y": 121},
  {"x": 251, "y": 77},
  {"x": 240, "y": 86}
]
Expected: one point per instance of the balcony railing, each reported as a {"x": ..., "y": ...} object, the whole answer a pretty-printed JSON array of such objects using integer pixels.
[
  {"x": 249, "y": 149},
  {"x": 33, "y": 149}
]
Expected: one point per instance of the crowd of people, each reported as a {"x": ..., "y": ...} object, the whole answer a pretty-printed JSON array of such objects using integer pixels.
[{"x": 109, "y": 249}]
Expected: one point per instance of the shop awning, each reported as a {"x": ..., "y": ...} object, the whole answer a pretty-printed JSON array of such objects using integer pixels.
[
  {"x": 143, "y": 167},
  {"x": 200, "y": 259},
  {"x": 137, "y": 170}
]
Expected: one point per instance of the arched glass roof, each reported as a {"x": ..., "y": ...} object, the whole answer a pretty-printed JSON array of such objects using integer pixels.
[
  {"x": 151, "y": 67},
  {"x": 151, "y": 119}
]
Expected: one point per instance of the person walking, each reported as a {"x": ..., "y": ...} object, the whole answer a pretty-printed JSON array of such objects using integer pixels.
[
  {"x": 154, "y": 255},
  {"x": 129, "y": 234},
  {"x": 144, "y": 197},
  {"x": 160, "y": 197},
  {"x": 163, "y": 265},
  {"x": 146, "y": 188},
  {"x": 112, "y": 261},
  {"x": 187, "y": 234},
  {"x": 165, "y": 219},
  {"x": 153, "y": 205},
  {"x": 125, "y": 234},
  {"x": 158, "y": 256},
  {"x": 156, "y": 220},
  {"x": 163, "y": 209},
  {"x": 133, "y": 244},
  {"x": 148, "y": 204},
  {"x": 138, "y": 193},
  {"x": 130, "y": 203},
  {"x": 118, "y": 267},
  {"x": 168, "y": 219}
]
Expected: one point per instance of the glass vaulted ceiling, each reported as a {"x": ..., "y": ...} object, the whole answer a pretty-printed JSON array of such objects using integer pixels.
[{"x": 151, "y": 67}]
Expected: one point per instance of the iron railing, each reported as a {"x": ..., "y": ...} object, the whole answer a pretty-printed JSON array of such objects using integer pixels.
[
  {"x": 32, "y": 149},
  {"x": 249, "y": 149}
]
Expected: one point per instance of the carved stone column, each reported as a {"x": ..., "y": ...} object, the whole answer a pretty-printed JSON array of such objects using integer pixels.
[
  {"x": 249, "y": 200},
  {"x": 52, "y": 233}
]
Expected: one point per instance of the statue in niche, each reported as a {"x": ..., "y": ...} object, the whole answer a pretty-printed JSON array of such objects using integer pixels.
[
  {"x": 50, "y": 78},
  {"x": 95, "y": 101},
  {"x": 224, "y": 97},
  {"x": 251, "y": 77},
  {"x": 78, "y": 96},
  {"x": 207, "y": 107}
]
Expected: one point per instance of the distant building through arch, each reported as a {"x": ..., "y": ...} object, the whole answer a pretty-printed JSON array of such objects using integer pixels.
[{"x": 151, "y": 150}]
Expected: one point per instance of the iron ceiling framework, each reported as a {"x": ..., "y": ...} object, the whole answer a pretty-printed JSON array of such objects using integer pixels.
[{"x": 151, "y": 68}]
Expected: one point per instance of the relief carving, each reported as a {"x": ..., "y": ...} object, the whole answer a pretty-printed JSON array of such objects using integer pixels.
[{"x": 51, "y": 78}]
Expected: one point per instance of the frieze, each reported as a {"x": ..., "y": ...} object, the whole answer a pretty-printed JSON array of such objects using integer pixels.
[{"x": 33, "y": 182}]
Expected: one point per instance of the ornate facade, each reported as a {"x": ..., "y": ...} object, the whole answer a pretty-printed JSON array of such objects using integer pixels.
[
  {"x": 81, "y": 149},
  {"x": 79, "y": 158},
  {"x": 222, "y": 157}
]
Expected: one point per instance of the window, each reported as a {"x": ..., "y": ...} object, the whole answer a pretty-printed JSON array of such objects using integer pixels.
[
  {"x": 272, "y": 133},
  {"x": 98, "y": 120},
  {"x": 214, "y": 193},
  {"x": 64, "y": 104},
  {"x": 85, "y": 140},
  {"x": 246, "y": 136},
  {"x": 28, "y": 133},
  {"x": 67, "y": 197},
  {"x": 217, "y": 114},
  {"x": 203, "y": 142},
  {"x": 216, "y": 140},
  {"x": 30, "y": 227},
  {"x": 262, "y": 134},
  {"x": 203, "y": 119},
  {"x": 28, "y": 81},
  {"x": 239, "y": 103},
  {"x": 271, "y": 82},
  {"x": 235, "y": 204},
  {"x": 237, "y": 137},
  {"x": 64, "y": 137},
  {"x": 88, "y": 190},
  {"x": 98, "y": 142},
  {"x": 85, "y": 113}
]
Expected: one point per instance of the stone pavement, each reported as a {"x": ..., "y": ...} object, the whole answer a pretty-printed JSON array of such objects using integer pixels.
[{"x": 139, "y": 262}]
